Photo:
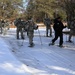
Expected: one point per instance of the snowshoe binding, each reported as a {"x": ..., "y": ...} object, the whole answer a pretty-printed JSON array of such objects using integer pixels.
[
  {"x": 51, "y": 43},
  {"x": 31, "y": 45}
]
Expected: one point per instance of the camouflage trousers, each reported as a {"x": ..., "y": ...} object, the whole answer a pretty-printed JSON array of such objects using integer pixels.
[
  {"x": 20, "y": 32},
  {"x": 5, "y": 29},
  {"x": 48, "y": 31},
  {"x": 30, "y": 36}
]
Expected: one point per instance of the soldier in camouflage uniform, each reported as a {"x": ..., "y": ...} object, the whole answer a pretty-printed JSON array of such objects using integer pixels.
[
  {"x": 30, "y": 29},
  {"x": 72, "y": 30},
  {"x": 5, "y": 27},
  {"x": 47, "y": 22},
  {"x": 20, "y": 29}
]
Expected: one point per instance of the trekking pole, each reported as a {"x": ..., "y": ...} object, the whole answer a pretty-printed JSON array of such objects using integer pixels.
[{"x": 40, "y": 37}]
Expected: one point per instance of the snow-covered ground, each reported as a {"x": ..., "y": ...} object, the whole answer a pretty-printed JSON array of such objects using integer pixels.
[{"x": 38, "y": 60}]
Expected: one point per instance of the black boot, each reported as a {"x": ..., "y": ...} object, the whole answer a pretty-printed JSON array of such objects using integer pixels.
[
  {"x": 52, "y": 43},
  {"x": 31, "y": 45},
  {"x": 60, "y": 45}
]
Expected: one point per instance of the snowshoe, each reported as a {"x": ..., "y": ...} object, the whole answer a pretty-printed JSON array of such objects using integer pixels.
[
  {"x": 60, "y": 46},
  {"x": 51, "y": 44},
  {"x": 31, "y": 45}
]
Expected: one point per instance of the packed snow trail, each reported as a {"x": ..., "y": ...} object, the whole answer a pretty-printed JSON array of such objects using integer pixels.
[{"x": 43, "y": 59}]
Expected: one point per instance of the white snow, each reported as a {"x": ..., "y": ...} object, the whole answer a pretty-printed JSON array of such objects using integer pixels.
[{"x": 42, "y": 59}]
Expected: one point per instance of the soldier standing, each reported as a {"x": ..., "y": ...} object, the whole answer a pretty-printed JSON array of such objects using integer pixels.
[
  {"x": 47, "y": 22},
  {"x": 20, "y": 29},
  {"x": 5, "y": 27}
]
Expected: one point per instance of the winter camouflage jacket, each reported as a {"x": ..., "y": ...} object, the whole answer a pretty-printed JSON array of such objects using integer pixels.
[{"x": 31, "y": 26}]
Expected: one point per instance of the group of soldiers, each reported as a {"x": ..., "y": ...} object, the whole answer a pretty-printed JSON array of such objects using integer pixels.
[
  {"x": 21, "y": 26},
  {"x": 29, "y": 26},
  {"x": 26, "y": 26},
  {"x": 58, "y": 27}
]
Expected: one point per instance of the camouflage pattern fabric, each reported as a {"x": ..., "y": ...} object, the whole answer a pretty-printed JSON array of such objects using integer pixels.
[
  {"x": 30, "y": 29},
  {"x": 20, "y": 28}
]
